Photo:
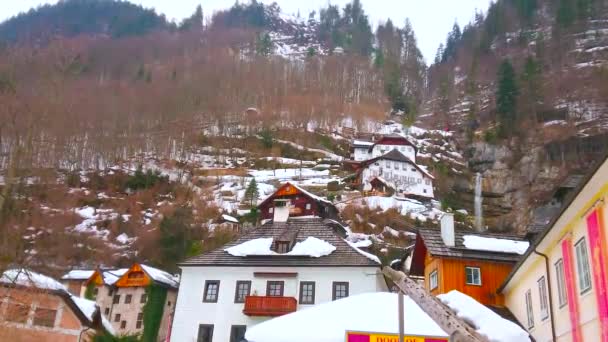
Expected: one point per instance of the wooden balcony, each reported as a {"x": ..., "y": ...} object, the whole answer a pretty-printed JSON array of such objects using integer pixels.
[{"x": 269, "y": 306}]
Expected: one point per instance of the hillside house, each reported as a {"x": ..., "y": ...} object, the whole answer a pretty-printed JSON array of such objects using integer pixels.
[
  {"x": 364, "y": 150},
  {"x": 472, "y": 263},
  {"x": 121, "y": 295},
  {"x": 285, "y": 265},
  {"x": 34, "y": 307},
  {"x": 398, "y": 172},
  {"x": 75, "y": 281},
  {"x": 559, "y": 289},
  {"x": 302, "y": 203}
]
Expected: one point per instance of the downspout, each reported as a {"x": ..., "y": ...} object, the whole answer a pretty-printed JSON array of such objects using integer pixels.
[{"x": 549, "y": 289}]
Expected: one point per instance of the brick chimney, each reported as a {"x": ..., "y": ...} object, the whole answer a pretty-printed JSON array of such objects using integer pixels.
[
  {"x": 447, "y": 230},
  {"x": 281, "y": 210}
]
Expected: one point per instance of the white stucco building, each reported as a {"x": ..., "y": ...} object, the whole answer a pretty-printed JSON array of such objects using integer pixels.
[
  {"x": 398, "y": 172},
  {"x": 281, "y": 267},
  {"x": 365, "y": 150},
  {"x": 390, "y": 163}
]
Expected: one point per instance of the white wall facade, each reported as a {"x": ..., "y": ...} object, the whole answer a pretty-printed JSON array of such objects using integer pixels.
[
  {"x": 361, "y": 153},
  {"x": 192, "y": 311},
  {"x": 405, "y": 176},
  {"x": 406, "y": 150}
]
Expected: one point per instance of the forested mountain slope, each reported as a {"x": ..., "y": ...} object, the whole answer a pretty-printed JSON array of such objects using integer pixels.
[{"x": 525, "y": 87}]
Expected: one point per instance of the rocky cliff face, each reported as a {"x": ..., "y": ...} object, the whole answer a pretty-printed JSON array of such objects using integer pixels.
[{"x": 564, "y": 132}]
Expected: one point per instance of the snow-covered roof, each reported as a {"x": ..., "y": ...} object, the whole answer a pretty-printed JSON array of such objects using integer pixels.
[
  {"x": 311, "y": 247},
  {"x": 332, "y": 320},
  {"x": 112, "y": 276},
  {"x": 230, "y": 218},
  {"x": 311, "y": 195},
  {"x": 161, "y": 276},
  {"x": 482, "y": 243},
  {"x": 485, "y": 321},
  {"x": 78, "y": 275},
  {"x": 362, "y": 143},
  {"x": 364, "y": 253},
  {"x": 312, "y": 236},
  {"x": 28, "y": 278}
]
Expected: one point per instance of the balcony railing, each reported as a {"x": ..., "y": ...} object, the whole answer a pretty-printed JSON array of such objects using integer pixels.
[{"x": 269, "y": 306}]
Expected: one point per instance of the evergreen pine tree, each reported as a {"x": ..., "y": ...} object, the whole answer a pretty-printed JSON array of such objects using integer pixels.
[
  {"x": 252, "y": 193},
  {"x": 506, "y": 98}
]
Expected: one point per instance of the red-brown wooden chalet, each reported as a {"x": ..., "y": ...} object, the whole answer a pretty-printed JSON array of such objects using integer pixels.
[{"x": 302, "y": 203}]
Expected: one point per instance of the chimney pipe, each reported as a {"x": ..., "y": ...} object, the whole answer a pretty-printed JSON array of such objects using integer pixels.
[
  {"x": 447, "y": 230},
  {"x": 281, "y": 210}
]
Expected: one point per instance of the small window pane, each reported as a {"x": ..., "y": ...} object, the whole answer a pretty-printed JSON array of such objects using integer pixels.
[
  {"x": 140, "y": 320},
  {"x": 473, "y": 275},
  {"x": 307, "y": 292},
  {"x": 45, "y": 317},
  {"x": 117, "y": 318},
  {"x": 237, "y": 333},
  {"x": 212, "y": 288},
  {"x": 582, "y": 266},
  {"x": 561, "y": 283},
  {"x": 144, "y": 298},
  {"x": 243, "y": 288},
  {"x": 274, "y": 288},
  {"x": 340, "y": 290},
  {"x": 123, "y": 324},
  {"x": 116, "y": 299},
  {"x": 128, "y": 299},
  {"x": 529, "y": 309},
  {"x": 542, "y": 295},
  {"x": 433, "y": 280},
  {"x": 205, "y": 333}
]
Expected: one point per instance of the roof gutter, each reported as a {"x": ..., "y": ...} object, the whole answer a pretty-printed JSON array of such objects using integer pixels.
[{"x": 550, "y": 290}]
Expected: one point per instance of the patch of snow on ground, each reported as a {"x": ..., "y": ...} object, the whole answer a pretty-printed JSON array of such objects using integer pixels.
[
  {"x": 487, "y": 323},
  {"x": 330, "y": 320},
  {"x": 482, "y": 243}
]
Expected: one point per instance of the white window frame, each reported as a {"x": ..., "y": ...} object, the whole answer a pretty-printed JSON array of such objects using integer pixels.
[
  {"x": 583, "y": 273},
  {"x": 472, "y": 268},
  {"x": 529, "y": 309},
  {"x": 562, "y": 296},
  {"x": 542, "y": 295},
  {"x": 433, "y": 280}
]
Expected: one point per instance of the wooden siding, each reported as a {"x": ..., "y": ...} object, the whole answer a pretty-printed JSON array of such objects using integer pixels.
[
  {"x": 140, "y": 279},
  {"x": 451, "y": 276}
]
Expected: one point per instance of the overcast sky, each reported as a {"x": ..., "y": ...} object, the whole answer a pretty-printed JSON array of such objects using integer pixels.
[{"x": 432, "y": 19}]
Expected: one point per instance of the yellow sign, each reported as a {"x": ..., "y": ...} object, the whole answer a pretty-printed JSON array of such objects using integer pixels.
[{"x": 355, "y": 336}]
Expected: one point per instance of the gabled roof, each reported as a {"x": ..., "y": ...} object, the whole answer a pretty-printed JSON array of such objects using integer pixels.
[
  {"x": 157, "y": 276},
  {"x": 431, "y": 237},
  {"x": 393, "y": 139},
  {"x": 312, "y": 196},
  {"x": 343, "y": 256},
  {"x": 395, "y": 155},
  {"x": 87, "y": 311},
  {"x": 78, "y": 275}
]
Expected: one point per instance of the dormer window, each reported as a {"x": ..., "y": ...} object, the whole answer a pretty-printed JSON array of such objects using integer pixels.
[{"x": 282, "y": 247}]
